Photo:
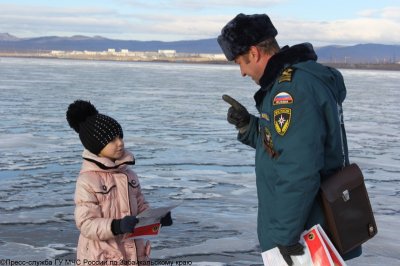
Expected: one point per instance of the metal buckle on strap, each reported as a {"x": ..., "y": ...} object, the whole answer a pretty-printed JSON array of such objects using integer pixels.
[{"x": 345, "y": 195}]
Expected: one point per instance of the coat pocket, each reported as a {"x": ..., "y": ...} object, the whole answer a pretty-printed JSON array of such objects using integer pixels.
[{"x": 105, "y": 190}]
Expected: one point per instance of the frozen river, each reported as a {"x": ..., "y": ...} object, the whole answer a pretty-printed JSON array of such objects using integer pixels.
[{"x": 174, "y": 122}]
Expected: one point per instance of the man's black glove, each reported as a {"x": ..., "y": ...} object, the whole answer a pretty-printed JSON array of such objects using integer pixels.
[
  {"x": 293, "y": 250},
  {"x": 124, "y": 225},
  {"x": 166, "y": 220},
  {"x": 237, "y": 113}
]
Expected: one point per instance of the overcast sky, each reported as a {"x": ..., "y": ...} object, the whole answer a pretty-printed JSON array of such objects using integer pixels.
[{"x": 317, "y": 21}]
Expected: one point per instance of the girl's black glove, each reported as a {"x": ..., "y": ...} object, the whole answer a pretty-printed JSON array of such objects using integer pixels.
[
  {"x": 166, "y": 220},
  {"x": 124, "y": 225}
]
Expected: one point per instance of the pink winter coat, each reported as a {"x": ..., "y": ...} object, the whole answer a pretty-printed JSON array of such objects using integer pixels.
[{"x": 102, "y": 195}]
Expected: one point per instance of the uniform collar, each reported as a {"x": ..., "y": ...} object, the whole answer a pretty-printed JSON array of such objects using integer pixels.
[{"x": 285, "y": 57}]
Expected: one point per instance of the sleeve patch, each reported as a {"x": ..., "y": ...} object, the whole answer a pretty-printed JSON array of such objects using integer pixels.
[
  {"x": 282, "y": 98},
  {"x": 282, "y": 118}
]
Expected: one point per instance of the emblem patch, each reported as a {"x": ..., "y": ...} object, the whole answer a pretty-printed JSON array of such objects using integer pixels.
[
  {"x": 283, "y": 98},
  {"x": 286, "y": 75},
  {"x": 155, "y": 228},
  {"x": 282, "y": 120}
]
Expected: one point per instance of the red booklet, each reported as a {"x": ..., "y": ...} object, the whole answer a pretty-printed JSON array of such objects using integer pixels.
[
  {"x": 145, "y": 230},
  {"x": 149, "y": 222}
]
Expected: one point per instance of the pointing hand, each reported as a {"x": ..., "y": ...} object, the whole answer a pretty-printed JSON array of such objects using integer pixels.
[{"x": 237, "y": 113}]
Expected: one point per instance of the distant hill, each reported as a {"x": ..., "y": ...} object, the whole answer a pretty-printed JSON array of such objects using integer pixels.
[
  {"x": 97, "y": 43},
  {"x": 361, "y": 53}
]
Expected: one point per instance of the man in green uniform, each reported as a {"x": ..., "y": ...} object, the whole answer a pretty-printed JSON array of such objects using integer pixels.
[{"x": 298, "y": 135}]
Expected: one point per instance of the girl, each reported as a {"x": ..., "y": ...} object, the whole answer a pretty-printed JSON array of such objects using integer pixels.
[{"x": 108, "y": 195}]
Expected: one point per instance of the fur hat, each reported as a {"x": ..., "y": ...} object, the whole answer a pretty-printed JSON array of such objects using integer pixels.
[
  {"x": 95, "y": 130},
  {"x": 244, "y": 31}
]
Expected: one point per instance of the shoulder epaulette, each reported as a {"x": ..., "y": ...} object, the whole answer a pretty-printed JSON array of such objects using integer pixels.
[{"x": 286, "y": 75}]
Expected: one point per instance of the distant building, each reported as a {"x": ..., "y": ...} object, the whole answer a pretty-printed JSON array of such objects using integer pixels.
[
  {"x": 111, "y": 50},
  {"x": 167, "y": 53},
  {"x": 55, "y": 52},
  {"x": 213, "y": 56},
  {"x": 89, "y": 52}
]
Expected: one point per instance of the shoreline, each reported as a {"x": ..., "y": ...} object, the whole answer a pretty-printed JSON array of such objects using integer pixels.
[{"x": 195, "y": 59}]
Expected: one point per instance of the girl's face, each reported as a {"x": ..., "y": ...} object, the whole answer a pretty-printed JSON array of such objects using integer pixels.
[{"x": 114, "y": 150}]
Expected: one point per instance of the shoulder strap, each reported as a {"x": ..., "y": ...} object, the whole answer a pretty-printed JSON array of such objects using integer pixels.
[{"x": 345, "y": 150}]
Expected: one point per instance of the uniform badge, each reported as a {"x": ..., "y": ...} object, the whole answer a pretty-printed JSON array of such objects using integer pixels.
[
  {"x": 286, "y": 75},
  {"x": 282, "y": 120},
  {"x": 268, "y": 138},
  {"x": 265, "y": 116},
  {"x": 268, "y": 145},
  {"x": 283, "y": 98}
]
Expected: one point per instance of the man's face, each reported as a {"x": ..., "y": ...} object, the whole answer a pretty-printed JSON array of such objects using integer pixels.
[{"x": 251, "y": 65}]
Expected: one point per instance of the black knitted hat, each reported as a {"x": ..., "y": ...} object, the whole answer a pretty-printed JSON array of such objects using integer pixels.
[
  {"x": 244, "y": 31},
  {"x": 95, "y": 130}
]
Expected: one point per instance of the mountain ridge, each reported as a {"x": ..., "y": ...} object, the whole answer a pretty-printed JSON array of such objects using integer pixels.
[{"x": 371, "y": 53}]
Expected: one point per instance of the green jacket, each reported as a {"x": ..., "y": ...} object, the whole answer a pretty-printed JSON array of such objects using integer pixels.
[{"x": 298, "y": 141}]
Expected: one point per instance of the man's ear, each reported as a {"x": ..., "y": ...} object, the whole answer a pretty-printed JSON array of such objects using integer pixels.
[{"x": 254, "y": 53}]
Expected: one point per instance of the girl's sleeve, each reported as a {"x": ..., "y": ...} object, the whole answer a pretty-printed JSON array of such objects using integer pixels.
[
  {"x": 88, "y": 216},
  {"x": 142, "y": 204},
  {"x": 140, "y": 242}
]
